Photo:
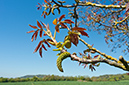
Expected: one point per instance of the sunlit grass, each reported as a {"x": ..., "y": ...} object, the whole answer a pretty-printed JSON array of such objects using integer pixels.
[{"x": 67, "y": 83}]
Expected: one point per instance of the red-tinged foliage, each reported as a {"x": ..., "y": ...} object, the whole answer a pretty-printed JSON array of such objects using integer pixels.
[
  {"x": 44, "y": 25},
  {"x": 47, "y": 44},
  {"x": 55, "y": 21},
  {"x": 63, "y": 25},
  {"x": 39, "y": 25},
  {"x": 41, "y": 32},
  {"x": 106, "y": 41},
  {"x": 88, "y": 17},
  {"x": 44, "y": 47},
  {"x": 45, "y": 1},
  {"x": 127, "y": 7},
  {"x": 84, "y": 33},
  {"x": 44, "y": 34},
  {"x": 120, "y": 18},
  {"x": 44, "y": 13},
  {"x": 39, "y": 6},
  {"x": 96, "y": 56},
  {"x": 61, "y": 17},
  {"x": 36, "y": 33},
  {"x": 38, "y": 46},
  {"x": 79, "y": 63},
  {"x": 68, "y": 21},
  {"x": 57, "y": 28},
  {"x": 127, "y": 73},
  {"x": 74, "y": 39},
  {"x": 35, "y": 27},
  {"x": 44, "y": 16},
  {"x": 78, "y": 29},
  {"x": 85, "y": 65},
  {"x": 32, "y": 38},
  {"x": 80, "y": 53},
  {"x": 31, "y": 31},
  {"x": 92, "y": 68},
  {"x": 40, "y": 51},
  {"x": 88, "y": 56}
]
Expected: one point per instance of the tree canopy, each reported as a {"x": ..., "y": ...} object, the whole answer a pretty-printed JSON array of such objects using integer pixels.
[{"x": 110, "y": 16}]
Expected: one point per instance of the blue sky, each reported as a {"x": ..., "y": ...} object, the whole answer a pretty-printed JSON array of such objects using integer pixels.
[{"x": 16, "y": 49}]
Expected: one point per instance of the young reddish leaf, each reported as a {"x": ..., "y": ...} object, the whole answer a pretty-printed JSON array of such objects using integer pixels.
[
  {"x": 78, "y": 29},
  {"x": 120, "y": 18},
  {"x": 96, "y": 56},
  {"x": 74, "y": 39},
  {"x": 40, "y": 51},
  {"x": 89, "y": 56},
  {"x": 80, "y": 53},
  {"x": 38, "y": 8},
  {"x": 36, "y": 33},
  {"x": 39, "y": 25},
  {"x": 45, "y": 1},
  {"x": 89, "y": 17},
  {"x": 43, "y": 13},
  {"x": 31, "y": 31},
  {"x": 79, "y": 63},
  {"x": 61, "y": 17},
  {"x": 35, "y": 27},
  {"x": 106, "y": 41},
  {"x": 63, "y": 25},
  {"x": 57, "y": 28},
  {"x": 44, "y": 34},
  {"x": 32, "y": 38},
  {"x": 93, "y": 69},
  {"x": 47, "y": 44},
  {"x": 41, "y": 32},
  {"x": 38, "y": 46},
  {"x": 44, "y": 25},
  {"x": 84, "y": 33},
  {"x": 85, "y": 65},
  {"x": 44, "y": 47},
  {"x": 44, "y": 16},
  {"x": 90, "y": 66},
  {"x": 68, "y": 21},
  {"x": 55, "y": 21},
  {"x": 127, "y": 7}
]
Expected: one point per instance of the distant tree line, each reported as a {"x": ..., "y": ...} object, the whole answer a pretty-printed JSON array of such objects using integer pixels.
[
  {"x": 46, "y": 78},
  {"x": 117, "y": 77}
]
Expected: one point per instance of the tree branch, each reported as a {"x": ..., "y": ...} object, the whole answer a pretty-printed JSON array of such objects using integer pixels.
[
  {"x": 87, "y": 61},
  {"x": 91, "y": 4}
]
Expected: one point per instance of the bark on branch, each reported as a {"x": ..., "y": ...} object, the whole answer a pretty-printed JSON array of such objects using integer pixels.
[{"x": 90, "y": 4}]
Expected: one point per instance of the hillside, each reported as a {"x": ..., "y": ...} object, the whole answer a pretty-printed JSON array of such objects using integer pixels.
[
  {"x": 31, "y": 76},
  {"x": 116, "y": 77}
]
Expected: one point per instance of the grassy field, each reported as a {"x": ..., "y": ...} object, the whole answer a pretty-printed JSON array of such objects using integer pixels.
[{"x": 67, "y": 83}]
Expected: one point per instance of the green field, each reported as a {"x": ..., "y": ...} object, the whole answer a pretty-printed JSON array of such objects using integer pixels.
[{"x": 67, "y": 83}]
